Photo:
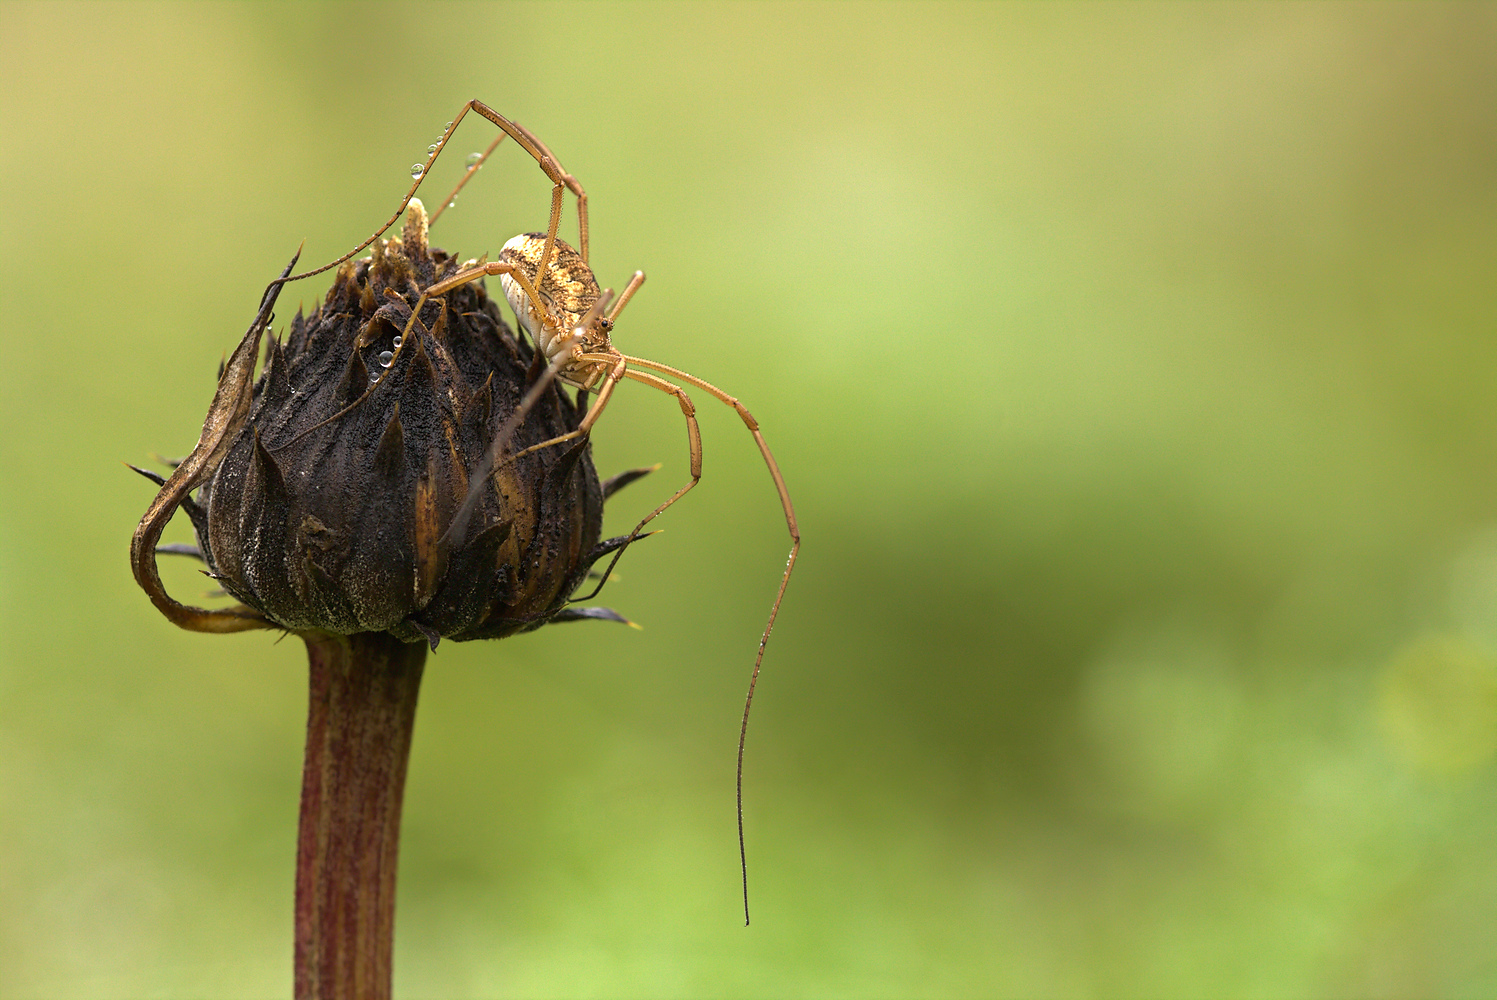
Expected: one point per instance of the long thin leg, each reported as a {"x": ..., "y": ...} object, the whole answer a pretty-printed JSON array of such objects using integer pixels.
[
  {"x": 485, "y": 468},
  {"x": 400, "y": 209},
  {"x": 779, "y": 482},
  {"x": 485, "y": 270},
  {"x": 604, "y": 394},
  {"x": 549, "y": 163},
  {"x": 693, "y": 442},
  {"x": 749, "y": 421},
  {"x": 532, "y": 145},
  {"x": 557, "y": 193},
  {"x": 695, "y": 439},
  {"x": 629, "y": 290}
]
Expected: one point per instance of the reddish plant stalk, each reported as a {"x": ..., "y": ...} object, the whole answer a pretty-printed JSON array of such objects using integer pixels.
[{"x": 362, "y": 711}]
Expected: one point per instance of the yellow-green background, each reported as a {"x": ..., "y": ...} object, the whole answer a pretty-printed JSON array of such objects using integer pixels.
[{"x": 1133, "y": 369}]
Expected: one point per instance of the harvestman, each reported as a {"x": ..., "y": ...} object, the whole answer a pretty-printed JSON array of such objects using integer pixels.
[{"x": 557, "y": 300}]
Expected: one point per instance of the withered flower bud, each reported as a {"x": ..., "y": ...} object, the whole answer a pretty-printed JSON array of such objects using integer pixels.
[{"x": 333, "y": 496}]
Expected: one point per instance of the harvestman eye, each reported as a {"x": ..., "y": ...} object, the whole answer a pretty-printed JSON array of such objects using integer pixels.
[{"x": 559, "y": 304}]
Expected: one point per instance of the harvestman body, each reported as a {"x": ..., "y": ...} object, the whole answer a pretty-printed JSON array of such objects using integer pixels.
[{"x": 558, "y": 302}]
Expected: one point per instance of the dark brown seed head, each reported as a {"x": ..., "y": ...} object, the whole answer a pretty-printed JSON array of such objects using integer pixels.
[{"x": 332, "y": 506}]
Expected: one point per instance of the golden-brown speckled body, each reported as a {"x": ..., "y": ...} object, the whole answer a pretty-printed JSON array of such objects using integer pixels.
[{"x": 568, "y": 291}]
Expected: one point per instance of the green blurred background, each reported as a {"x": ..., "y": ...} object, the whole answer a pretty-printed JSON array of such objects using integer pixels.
[{"x": 1132, "y": 369}]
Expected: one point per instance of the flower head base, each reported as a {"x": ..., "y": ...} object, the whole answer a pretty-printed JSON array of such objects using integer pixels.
[{"x": 331, "y": 490}]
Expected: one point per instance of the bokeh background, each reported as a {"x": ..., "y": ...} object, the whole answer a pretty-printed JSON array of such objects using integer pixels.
[{"x": 1132, "y": 368}]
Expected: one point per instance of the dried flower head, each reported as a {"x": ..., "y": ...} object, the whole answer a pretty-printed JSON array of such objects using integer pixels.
[{"x": 330, "y": 491}]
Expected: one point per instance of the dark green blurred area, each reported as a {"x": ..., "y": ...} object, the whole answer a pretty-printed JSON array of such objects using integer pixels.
[{"x": 1132, "y": 370}]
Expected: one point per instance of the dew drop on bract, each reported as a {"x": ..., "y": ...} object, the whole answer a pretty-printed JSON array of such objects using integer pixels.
[
  {"x": 431, "y": 149},
  {"x": 397, "y": 341},
  {"x": 448, "y": 128},
  {"x": 474, "y": 159},
  {"x": 386, "y": 358},
  {"x": 417, "y": 170}
]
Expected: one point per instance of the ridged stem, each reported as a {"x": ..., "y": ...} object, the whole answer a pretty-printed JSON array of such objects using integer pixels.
[{"x": 362, "y": 711}]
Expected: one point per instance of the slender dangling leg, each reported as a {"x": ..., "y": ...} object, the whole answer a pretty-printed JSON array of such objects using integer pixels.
[{"x": 784, "y": 492}]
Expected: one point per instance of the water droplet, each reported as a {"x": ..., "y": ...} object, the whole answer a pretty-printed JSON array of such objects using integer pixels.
[
  {"x": 417, "y": 170},
  {"x": 386, "y": 359},
  {"x": 431, "y": 150},
  {"x": 397, "y": 341},
  {"x": 474, "y": 159},
  {"x": 447, "y": 129},
  {"x": 452, "y": 203},
  {"x": 373, "y": 379}
]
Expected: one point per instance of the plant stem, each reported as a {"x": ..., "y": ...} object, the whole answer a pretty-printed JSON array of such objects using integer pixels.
[{"x": 363, "y": 707}]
